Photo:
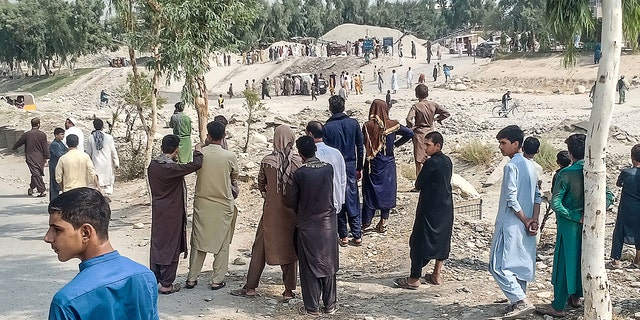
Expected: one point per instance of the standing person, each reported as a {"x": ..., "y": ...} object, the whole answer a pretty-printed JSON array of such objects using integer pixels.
[
  {"x": 421, "y": 119},
  {"x": 311, "y": 196},
  {"x": 102, "y": 150},
  {"x": 213, "y": 209},
  {"x": 230, "y": 91},
  {"x": 435, "y": 73},
  {"x": 439, "y": 69},
  {"x": 70, "y": 128},
  {"x": 433, "y": 226},
  {"x": 413, "y": 50},
  {"x": 439, "y": 52},
  {"x": 265, "y": 88},
  {"x": 169, "y": 211},
  {"x": 394, "y": 81},
  {"x": 36, "y": 154},
  {"x": 592, "y": 92},
  {"x": 342, "y": 93},
  {"x": 380, "y": 81},
  {"x": 181, "y": 124},
  {"x": 56, "y": 150},
  {"x": 505, "y": 102},
  {"x": 343, "y": 133},
  {"x": 568, "y": 204},
  {"x": 387, "y": 98},
  {"x": 597, "y": 53},
  {"x": 247, "y": 85},
  {"x": 447, "y": 72},
  {"x": 409, "y": 78},
  {"x": 627, "y": 229},
  {"x": 622, "y": 87},
  {"x": 512, "y": 259},
  {"x": 531, "y": 147},
  {"x": 400, "y": 54},
  {"x": 379, "y": 180},
  {"x": 273, "y": 244},
  {"x": 313, "y": 92},
  {"x": 357, "y": 82},
  {"x": 429, "y": 52},
  {"x": 108, "y": 286},
  {"x": 278, "y": 86},
  {"x": 375, "y": 73},
  {"x": 254, "y": 85},
  {"x": 75, "y": 168},
  {"x": 220, "y": 101},
  {"x": 296, "y": 85}
]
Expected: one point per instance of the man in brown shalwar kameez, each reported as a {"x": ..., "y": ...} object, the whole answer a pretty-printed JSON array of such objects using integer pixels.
[
  {"x": 36, "y": 151},
  {"x": 420, "y": 119},
  {"x": 274, "y": 238},
  {"x": 214, "y": 211},
  {"x": 311, "y": 195},
  {"x": 169, "y": 211}
]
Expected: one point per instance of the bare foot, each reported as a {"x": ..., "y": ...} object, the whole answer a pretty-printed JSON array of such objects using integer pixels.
[{"x": 436, "y": 278}]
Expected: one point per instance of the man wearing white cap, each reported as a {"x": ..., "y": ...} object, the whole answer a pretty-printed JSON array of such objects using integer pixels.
[{"x": 70, "y": 128}]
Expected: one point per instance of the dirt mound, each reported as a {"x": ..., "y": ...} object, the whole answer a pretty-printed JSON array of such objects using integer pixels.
[{"x": 325, "y": 65}]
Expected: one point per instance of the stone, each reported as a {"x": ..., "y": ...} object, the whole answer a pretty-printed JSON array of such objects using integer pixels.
[
  {"x": 579, "y": 89},
  {"x": 636, "y": 315},
  {"x": 635, "y": 284},
  {"x": 138, "y": 225},
  {"x": 460, "y": 87},
  {"x": 259, "y": 138},
  {"x": 250, "y": 165},
  {"x": 617, "y": 310},
  {"x": 544, "y": 294},
  {"x": 239, "y": 261}
]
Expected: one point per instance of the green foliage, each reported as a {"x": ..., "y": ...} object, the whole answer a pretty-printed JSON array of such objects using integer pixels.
[
  {"x": 142, "y": 88},
  {"x": 566, "y": 19},
  {"x": 253, "y": 105},
  {"x": 631, "y": 21},
  {"x": 476, "y": 152},
  {"x": 546, "y": 156}
]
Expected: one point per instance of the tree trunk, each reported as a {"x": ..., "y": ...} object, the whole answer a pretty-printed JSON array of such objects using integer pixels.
[
  {"x": 202, "y": 107},
  {"x": 594, "y": 275}
]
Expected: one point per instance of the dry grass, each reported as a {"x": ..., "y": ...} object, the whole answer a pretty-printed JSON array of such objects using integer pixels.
[
  {"x": 476, "y": 152},
  {"x": 546, "y": 156}
]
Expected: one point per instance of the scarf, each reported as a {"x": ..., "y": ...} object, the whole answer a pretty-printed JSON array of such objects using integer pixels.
[
  {"x": 98, "y": 137},
  {"x": 377, "y": 128},
  {"x": 283, "y": 158}
]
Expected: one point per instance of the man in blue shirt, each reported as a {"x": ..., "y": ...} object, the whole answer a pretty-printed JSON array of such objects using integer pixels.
[{"x": 108, "y": 286}]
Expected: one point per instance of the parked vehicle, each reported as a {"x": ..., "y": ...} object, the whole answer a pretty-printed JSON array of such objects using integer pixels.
[
  {"x": 486, "y": 49},
  {"x": 21, "y": 100}
]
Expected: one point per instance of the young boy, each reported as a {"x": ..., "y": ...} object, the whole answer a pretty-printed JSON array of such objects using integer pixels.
[{"x": 220, "y": 102}]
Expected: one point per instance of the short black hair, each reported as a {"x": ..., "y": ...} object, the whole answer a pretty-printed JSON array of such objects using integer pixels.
[
  {"x": 35, "y": 122},
  {"x": 422, "y": 91},
  {"x": 170, "y": 143},
  {"x": 435, "y": 137},
  {"x": 512, "y": 133},
  {"x": 83, "y": 205},
  {"x": 98, "y": 124},
  {"x": 179, "y": 106},
  {"x": 575, "y": 144},
  {"x": 336, "y": 104},
  {"x": 215, "y": 130},
  {"x": 306, "y": 146},
  {"x": 316, "y": 129},
  {"x": 72, "y": 141},
  {"x": 531, "y": 145},
  {"x": 563, "y": 159},
  {"x": 635, "y": 152},
  {"x": 57, "y": 131},
  {"x": 222, "y": 119}
]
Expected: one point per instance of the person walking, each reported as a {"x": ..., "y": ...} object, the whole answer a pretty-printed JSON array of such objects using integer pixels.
[
  {"x": 447, "y": 72},
  {"x": 394, "y": 81},
  {"x": 433, "y": 226},
  {"x": 181, "y": 124},
  {"x": 214, "y": 212},
  {"x": 379, "y": 180},
  {"x": 71, "y": 128},
  {"x": 169, "y": 211},
  {"x": 36, "y": 153},
  {"x": 622, "y": 87},
  {"x": 512, "y": 258},
  {"x": 56, "y": 150},
  {"x": 102, "y": 150},
  {"x": 409, "y": 78},
  {"x": 413, "y": 50},
  {"x": 435, "y": 73},
  {"x": 265, "y": 88},
  {"x": 274, "y": 244},
  {"x": 311, "y": 196},
  {"x": 75, "y": 168}
]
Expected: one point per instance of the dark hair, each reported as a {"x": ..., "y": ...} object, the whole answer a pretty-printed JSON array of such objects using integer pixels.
[
  {"x": 35, "y": 122},
  {"x": 422, "y": 91},
  {"x": 512, "y": 133},
  {"x": 72, "y": 141},
  {"x": 306, "y": 146},
  {"x": 179, "y": 106},
  {"x": 316, "y": 129},
  {"x": 57, "y": 131},
  {"x": 83, "y": 205},
  {"x": 635, "y": 152},
  {"x": 98, "y": 124},
  {"x": 563, "y": 159},
  {"x": 220, "y": 118},
  {"x": 336, "y": 104},
  {"x": 435, "y": 137},
  {"x": 215, "y": 130},
  {"x": 575, "y": 145},
  {"x": 531, "y": 145},
  {"x": 170, "y": 143}
]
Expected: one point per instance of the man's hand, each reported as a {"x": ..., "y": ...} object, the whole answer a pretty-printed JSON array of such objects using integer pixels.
[
  {"x": 532, "y": 227},
  {"x": 358, "y": 175},
  {"x": 199, "y": 146}
]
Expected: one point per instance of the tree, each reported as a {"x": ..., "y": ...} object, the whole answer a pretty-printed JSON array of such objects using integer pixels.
[{"x": 253, "y": 105}]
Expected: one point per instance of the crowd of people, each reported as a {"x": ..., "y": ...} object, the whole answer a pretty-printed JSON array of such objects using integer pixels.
[{"x": 312, "y": 207}]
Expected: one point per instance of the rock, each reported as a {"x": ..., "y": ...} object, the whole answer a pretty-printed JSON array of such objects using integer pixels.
[
  {"x": 250, "y": 165},
  {"x": 467, "y": 190},
  {"x": 635, "y": 284},
  {"x": 636, "y": 315},
  {"x": 138, "y": 225},
  {"x": 617, "y": 310},
  {"x": 556, "y": 91},
  {"x": 260, "y": 138},
  {"x": 579, "y": 90},
  {"x": 460, "y": 87},
  {"x": 239, "y": 261},
  {"x": 544, "y": 294},
  {"x": 207, "y": 299}
]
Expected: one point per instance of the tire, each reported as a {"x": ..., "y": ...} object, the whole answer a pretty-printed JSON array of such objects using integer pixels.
[
  {"x": 496, "y": 112},
  {"x": 519, "y": 112}
]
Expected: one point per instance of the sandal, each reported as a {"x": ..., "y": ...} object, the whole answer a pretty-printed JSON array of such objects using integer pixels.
[
  {"x": 174, "y": 288},
  {"x": 428, "y": 278},
  {"x": 242, "y": 292},
  {"x": 612, "y": 266},
  {"x": 575, "y": 303},
  {"x": 286, "y": 299},
  {"x": 343, "y": 243},
  {"x": 403, "y": 283},
  {"x": 381, "y": 228},
  {"x": 303, "y": 310},
  {"x": 218, "y": 286},
  {"x": 356, "y": 242},
  {"x": 190, "y": 284},
  {"x": 548, "y": 309}
]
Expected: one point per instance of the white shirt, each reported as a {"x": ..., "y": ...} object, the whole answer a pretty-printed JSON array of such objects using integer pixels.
[
  {"x": 333, "y": 157},
  {"x": 75, "y": 130}
]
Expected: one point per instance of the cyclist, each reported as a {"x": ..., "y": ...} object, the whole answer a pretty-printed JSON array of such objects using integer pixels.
[
  {"x": 104, "y": 98},
  {"x": 505, "y": 103}
]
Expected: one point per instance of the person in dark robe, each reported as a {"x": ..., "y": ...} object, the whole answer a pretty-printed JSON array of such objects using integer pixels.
[
  {"x": 311, "y": 196},
  {"x": 36, "y": 151},
  {"x": 57, "y": 148},
  {"x": 343, "y": 133},
  {"x": 169, "y": 211},
  {"x": 431, "y": 234},
  {"x": 379, "y": 181}
]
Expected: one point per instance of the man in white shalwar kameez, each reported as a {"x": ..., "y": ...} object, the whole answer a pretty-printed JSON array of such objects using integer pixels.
[
  {"x": 409, "y": 78},
  {"x": 102, "y": 150},
  {"x": 333, "y": 157},
  {"x": 512, "y": 259},
  {"x": 394, "y": 81}
]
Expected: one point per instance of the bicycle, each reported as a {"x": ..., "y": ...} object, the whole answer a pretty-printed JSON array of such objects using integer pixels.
[{"x": 515, "y": 109}]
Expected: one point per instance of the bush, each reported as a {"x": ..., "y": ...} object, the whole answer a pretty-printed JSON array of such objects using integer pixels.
[
  {"x": 546, "y": 156},
  {"x": 476, "y": 152}
]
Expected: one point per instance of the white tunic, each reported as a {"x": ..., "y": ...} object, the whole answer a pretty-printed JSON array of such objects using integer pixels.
[
  {"x": 104, "y": 160},
  {"x": 333, "y": 157}
]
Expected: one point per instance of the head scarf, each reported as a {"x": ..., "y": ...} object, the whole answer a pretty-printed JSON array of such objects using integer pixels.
[
  {"x": 283, "y": 157},
  {"x": 98, "y": 137},
  {"x": 377, "y": 128}
]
